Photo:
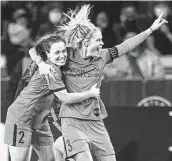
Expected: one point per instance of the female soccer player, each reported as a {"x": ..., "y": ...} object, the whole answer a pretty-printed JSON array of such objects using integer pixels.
[
  {"x": 26, "y": 122},
  {"x": 82, "y": 123}
]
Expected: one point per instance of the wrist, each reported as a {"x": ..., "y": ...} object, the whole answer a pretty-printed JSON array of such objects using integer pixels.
[
  {"x": 90, "y": 93},
  {"x": 149, "y": 31}
]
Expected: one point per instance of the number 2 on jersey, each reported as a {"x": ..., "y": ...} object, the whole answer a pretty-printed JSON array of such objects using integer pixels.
[{"x": 22, "y": 135}]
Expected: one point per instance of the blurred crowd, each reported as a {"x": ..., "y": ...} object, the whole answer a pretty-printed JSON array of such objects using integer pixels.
[{"x": 23, "y": 22}]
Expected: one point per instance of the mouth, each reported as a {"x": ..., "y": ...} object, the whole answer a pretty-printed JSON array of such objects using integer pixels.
[
  {"x": 99, "y": 49},
  {"x": 61, "y": 60}
]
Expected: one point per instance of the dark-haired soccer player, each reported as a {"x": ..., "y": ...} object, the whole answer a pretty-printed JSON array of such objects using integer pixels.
[{"x": 26, "y": 122}]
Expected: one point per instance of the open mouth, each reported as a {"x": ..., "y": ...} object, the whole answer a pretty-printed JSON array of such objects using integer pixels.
[
  {"x": 99, "y": 49},
  {"x": 61, "y": 60}
]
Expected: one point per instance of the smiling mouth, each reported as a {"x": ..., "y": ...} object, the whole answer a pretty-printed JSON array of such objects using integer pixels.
[
  {"x": 61, "y": 60},
  {"x": 99, "y": 49}
]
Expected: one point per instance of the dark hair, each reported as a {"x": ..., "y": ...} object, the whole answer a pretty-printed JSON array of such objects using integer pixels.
[
  {"x": 43, "y": 45},
  {"x": 22, "y": 13}
]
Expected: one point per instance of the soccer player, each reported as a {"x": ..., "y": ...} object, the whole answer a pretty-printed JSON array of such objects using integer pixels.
[
  {"x": 82, "y": 123},
  {"x": 26, "y": 122}
]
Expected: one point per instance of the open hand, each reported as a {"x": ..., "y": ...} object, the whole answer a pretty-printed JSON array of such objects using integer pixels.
[{"x": 95, "y": 91}]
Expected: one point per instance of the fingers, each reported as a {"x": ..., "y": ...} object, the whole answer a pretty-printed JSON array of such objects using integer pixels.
[
  {"x": 163, "y": 21},
  {"x": 160, "y": 16}
]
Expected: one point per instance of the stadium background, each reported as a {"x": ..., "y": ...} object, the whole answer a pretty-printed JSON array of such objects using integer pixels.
[{"x": 137, "y": 133}]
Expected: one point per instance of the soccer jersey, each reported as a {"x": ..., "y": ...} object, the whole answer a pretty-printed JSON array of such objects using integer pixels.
[
  {"x": 80, "y": 75},
  {"x": 34, "y": 102}
]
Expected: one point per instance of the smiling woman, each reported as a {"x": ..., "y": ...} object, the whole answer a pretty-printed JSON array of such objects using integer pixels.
[
  {"x": 52, "y": 48},
  {"x": 83, "y": 128},
  {"x": 26, "y": 122},
  {"x": 58, "y": 53}
]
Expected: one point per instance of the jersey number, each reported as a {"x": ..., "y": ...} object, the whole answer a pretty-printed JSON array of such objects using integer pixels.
[
  {"x": 22, "y": 135},
  {"x": 69, "y": 145}
]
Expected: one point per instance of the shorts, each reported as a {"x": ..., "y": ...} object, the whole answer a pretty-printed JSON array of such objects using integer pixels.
[
  {"x": 21, "y": 136},
  {"x": 85, "y": 135}
]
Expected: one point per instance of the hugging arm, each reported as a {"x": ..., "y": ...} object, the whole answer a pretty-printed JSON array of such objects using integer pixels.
[
  {"x": 69, "y": 98},
  {"x": 44, "y": 68}
]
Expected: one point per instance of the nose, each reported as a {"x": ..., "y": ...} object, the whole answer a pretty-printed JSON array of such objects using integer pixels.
[
  {"x": 101, "y": 43},
  {"x": 61, "y": 54}
]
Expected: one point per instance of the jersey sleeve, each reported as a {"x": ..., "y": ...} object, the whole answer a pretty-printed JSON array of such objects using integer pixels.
[
  {"x": 57, "y": 84},
  {"x": 109, "y": 54}
]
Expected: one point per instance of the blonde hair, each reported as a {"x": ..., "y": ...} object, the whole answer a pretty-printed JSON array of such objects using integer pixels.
[{"x": 78, "y": 27}]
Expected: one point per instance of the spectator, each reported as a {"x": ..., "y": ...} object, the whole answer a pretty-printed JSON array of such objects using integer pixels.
[
  {"x": 165, "y": 33},
  {"x": 102, "y": 21},
  {"x": 128, "y": 13},
  {"x": 15, "y": 47},
  {"x": 129, "y": 20},
  {"x": 54, "y": 10},
  {"x": 34, "y": 8},
  {"x": 140, "y": 62},
  {"x": 7, "y": 9}
]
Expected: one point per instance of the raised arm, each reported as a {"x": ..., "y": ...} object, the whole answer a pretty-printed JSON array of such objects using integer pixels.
[
  {"x": 44, "y": 68},
  {"x": 69, "y": 98},
  {"x": 131, "y": 43}
]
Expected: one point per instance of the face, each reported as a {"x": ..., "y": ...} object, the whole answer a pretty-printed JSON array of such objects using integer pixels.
[
  {"x": 55, "y": 16},
  {"x": 95, "y": 45},
  {"x": 128, "y": 13},
  {"x": 18, "y": 33},
  {"x": 102, "y": 20},
  {"x": 159, "y": 8},
  {"x": 58, "y": 53}
]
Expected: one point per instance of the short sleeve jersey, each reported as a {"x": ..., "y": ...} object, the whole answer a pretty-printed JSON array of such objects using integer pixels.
[
  {"x": 80, "y": 75},
  {"x": 34, "y": 102}
]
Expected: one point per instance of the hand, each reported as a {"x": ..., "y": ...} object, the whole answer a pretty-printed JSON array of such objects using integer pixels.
[
  {"x": 95, "y": 91},
  {"x": 45, "y": 71},
  {"x": 158, "y": 23}
]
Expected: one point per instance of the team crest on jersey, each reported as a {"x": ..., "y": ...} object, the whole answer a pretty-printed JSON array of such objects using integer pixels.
[
  {"x": 154, "y": 101},
  {"x": 96, "y": 112}
]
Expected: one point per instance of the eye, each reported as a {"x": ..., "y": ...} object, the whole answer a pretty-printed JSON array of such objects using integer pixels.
[
  {"x": 57, "y": 52},
  {"x": 99, "y": 40},
  {"x": 64, "y": 51}
]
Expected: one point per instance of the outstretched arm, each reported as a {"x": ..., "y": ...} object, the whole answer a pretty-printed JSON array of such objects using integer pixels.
[
  {"x": 131, "y": 43},
  {"x": 70, "y": 98}
]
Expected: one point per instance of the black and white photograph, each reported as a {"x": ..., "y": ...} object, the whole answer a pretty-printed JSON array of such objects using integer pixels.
[{"x": 86, "y": 80}]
